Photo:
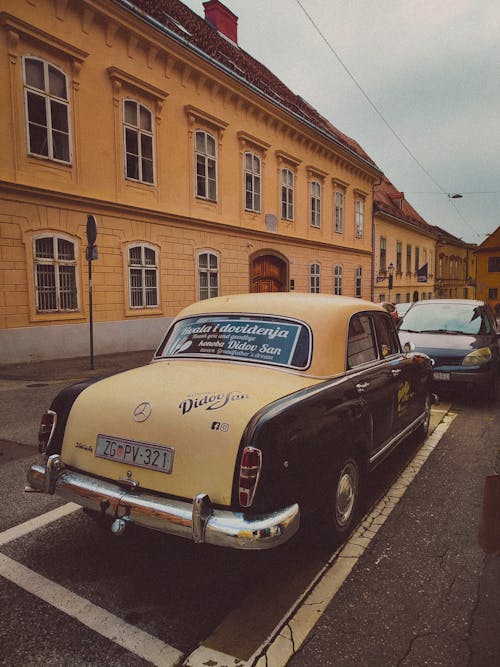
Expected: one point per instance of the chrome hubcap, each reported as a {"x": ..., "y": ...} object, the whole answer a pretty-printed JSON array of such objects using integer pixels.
[{"x": 347, "y": 490}]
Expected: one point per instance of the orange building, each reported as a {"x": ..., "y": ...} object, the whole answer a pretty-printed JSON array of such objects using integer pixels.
[
  {"x": 488, "y": 271},
  {"x": 204, "y": 173}
]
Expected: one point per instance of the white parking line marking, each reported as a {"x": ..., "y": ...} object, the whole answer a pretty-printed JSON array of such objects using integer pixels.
[
  {"x": 291, "y": 632},
  {"x": 37, "y": 522},
  {"x": 96, "y": 618}
]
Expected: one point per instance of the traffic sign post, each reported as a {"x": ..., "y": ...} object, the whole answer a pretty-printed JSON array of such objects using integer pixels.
[{"x": 91, "y": 254}]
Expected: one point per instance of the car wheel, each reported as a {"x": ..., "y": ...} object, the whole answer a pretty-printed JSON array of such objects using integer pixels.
[
  {"x": 340, "y": 508},
  {"x": 423, "y": 429}
]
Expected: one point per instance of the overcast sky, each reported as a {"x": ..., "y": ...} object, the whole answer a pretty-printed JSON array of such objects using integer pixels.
[{"x": 430, "y": 67}]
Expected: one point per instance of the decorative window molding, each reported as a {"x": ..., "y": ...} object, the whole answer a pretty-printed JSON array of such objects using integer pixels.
[
  {"x": 249, "y": 142},
  {"x": 208, "y": 274},
  {"x": 121, "y": 79},
  {"x": 55, "y": 273},
  {"x": 314, "y": 278},
  {"x": 47, "y": 110},
  {"x": 143, "y": 284},
  {"x": 197, "y": 116}
]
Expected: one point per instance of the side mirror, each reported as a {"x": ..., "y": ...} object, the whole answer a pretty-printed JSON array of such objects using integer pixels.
[{"x": 409, "y": 346}]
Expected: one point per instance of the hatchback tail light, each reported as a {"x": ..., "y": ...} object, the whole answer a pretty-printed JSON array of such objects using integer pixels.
[
  {"x": 47, "y": 425},
  {"x": 251, "y": 464}
]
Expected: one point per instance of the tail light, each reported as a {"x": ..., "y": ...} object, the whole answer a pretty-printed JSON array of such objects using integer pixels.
[
  {"x": 47, "y": 425},
  {"x": 251, "y": 464}
]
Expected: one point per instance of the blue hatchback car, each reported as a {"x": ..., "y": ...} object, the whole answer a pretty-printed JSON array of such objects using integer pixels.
[{"x": 461, "y": 338}]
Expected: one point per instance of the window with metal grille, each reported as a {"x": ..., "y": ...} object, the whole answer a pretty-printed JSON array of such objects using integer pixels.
[
  {"x": 143, "y": 277},
  {"x": 315, "y": 203},
  {"x": 339, "y": 212},
  {"x": 287, "y": 187},
  {"x": 359, "y": 282},
  {"x": 47, "y": 110},
  {"x": 314, "y": 278},
  {"x": 337, "y": 279},
  {"x": 359, "y": 217},
  {"x": 55, "y": 274},
  {"x": 138, "y": 142},
  {"x": 208, "y": 275},
  {"x": 252, "y": 183},
  {"x": 206, "y": 166}
]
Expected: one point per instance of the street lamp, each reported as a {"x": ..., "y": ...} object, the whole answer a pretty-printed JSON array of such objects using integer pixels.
[{"x": 389, "y": 276}]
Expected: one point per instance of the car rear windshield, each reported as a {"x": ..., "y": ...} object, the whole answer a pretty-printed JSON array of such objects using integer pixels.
[
  {"x": 446, "y": 318},
  {"x": 254, "y": 338}
]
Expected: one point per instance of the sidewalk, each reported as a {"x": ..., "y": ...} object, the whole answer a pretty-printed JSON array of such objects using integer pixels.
[{"x": 75, "y": 369}]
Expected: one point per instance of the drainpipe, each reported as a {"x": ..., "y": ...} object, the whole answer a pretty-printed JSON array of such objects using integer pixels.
[{"x": 372, "y": 296}]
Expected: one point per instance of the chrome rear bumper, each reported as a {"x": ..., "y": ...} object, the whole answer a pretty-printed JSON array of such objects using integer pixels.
[{"x": 198, "y": 521}]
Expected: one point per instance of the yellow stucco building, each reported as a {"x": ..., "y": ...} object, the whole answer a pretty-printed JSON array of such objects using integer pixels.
[
  {"x": 404, "y": 249},
  {"x": 204, "y": 174},
  {"x": 455, "y": 267},
  {"x": 488, "y": 271}
]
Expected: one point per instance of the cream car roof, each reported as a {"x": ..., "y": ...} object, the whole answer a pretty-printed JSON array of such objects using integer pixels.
[{"x": 327, "y": 315}]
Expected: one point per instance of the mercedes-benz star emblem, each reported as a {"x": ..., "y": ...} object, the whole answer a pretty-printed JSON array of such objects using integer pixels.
[{"x": 142, "y": 412}]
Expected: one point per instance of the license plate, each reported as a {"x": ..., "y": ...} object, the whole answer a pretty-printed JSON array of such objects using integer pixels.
[
  {"x": 441, "y": 376},
  {"x": 141, "y": 454}
]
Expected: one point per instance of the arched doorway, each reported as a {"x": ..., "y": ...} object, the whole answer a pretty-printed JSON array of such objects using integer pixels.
[{"x": 268, "y": 273}]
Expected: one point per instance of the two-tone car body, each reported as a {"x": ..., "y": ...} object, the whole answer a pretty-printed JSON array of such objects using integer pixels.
[{"x": 255, "y": 411}]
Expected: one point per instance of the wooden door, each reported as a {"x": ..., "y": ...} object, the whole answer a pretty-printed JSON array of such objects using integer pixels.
[{"x": 268, "y": 274}]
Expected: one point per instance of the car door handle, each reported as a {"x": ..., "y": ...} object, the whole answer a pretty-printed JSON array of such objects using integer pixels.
[
  {"x": 361, "y": 386},
  {"x": 395, "y": 372}
]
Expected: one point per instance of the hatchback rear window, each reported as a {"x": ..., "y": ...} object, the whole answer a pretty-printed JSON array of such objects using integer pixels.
[{"x": 255, "y": 338}]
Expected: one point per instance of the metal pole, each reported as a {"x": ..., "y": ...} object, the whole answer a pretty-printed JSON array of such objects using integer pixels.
[{"x": 91, "y": 318}]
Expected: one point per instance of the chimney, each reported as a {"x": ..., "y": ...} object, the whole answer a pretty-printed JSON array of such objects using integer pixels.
[{"x": 222, "y": 19}]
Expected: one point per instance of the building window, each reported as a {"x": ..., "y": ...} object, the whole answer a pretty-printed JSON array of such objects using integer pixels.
[
  {"x": 47, "y": 110},
  {"x": 314, "y": 278},
  {"x": 287, "y": 187},
  {"x": 252, "y": 183},
  {"x": 339, "y": 212},
  {"x": 417, "y": 259},
  {"x": 55, "y": 275},
  {"x": 493, "y": 264},
  {"x": 315, "y": 200},
  {"x": 337, "y": 279},
  {"x": 143, "y": 277},
  {"x": 383, "y": 254},
  {"x": 408, "y": 258},
  {"x": 358, "y": 282},
  {"x": 208, "y": 275},
  {"x": 399, "y": 257},
  {"x": 492, "y": 293},
  {"x": 138, "y": 133},
  {"x": 206, "y": 166},
  {"x": 359, "y": 217}
]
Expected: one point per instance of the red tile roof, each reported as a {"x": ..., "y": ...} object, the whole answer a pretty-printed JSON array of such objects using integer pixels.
[
  {"x": 388, "y": 199},
  {"x": 197, "y": 32}
]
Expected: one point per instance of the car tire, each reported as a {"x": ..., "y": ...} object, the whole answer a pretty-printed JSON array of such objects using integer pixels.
[
  {"x": 340, "y": 509},
  {"x": 423, "y": 429}
]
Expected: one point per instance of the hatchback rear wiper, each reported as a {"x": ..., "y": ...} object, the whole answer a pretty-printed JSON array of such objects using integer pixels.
[{"x": 446, "y": 331}]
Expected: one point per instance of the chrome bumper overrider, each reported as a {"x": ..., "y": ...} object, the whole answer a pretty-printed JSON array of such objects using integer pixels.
[{"x": 197, "y": 521}]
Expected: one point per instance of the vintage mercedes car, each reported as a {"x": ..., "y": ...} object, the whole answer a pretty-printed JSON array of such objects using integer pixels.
[{"x": 256, "y": 411}]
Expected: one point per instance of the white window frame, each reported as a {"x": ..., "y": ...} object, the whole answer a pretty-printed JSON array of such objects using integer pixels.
[
  {"x": 358, "y": 282},
  {"x": 359, "y": 208},
  {"x": 208, "y": 273},
  {"x": 49, "y": 100},
  {"x": 252, "y": 181},
  {"x": 141, "y": 134},
  {"x": 206, "y": 178},
  {"x": 58, "y": 266},
  {"x": 339, "y": 211},
  {"x": 338, "y": 275},
  {"x": 143, "y": 269},
  {"x": 287, "y": 188},
  {"x": 315, "y": 278},
  {"x": 315, "y": 204}
]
